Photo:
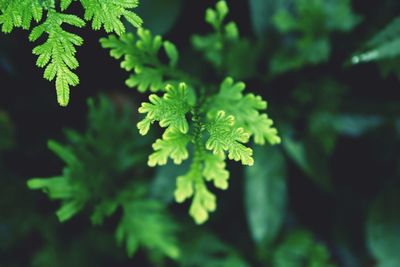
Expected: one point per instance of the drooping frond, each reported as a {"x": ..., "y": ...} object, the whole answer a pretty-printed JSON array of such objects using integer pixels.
[{"x": 57, "y": 53}]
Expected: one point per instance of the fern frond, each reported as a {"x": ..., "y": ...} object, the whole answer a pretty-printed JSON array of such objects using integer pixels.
[
  {"x": 246, "y": 109},
  {"x": 108, "y": 13},
  {"x": 142, "y": 57},
  {"x": 169, "y": 111},
  {"x": 57, "y": 54},
  {"x": 140, "y": 226},
  {"x": 100, "y": 177},
  {"x": 214, "y": 170},
  {"x": 19, "y": 14},
  {"x": 224, "y": 136},
  {"x": 214, "y": 45},
  {"x": 72, "y": 193},
  {"x": 192, "y": 184},
  {"x": 172, "y": 145}
]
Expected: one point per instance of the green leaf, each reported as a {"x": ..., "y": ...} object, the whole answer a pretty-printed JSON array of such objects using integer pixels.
[
  {"x": 108, "y": 13},
  {"x": 64, "y": 4},
  {"x": 266, "y": 194},
  {"x": 163, "y": 185},
  {"x": 169, "y": 111},
  {"x": 142, "y": 56},
  {"x": 383, "y": 227},
  {"x": 246, "y": 109},
  {"x": 214, "y": 170},
  {"x": 172, "y": 53},
  {"x": 384, "y": 45},
  {"x": 299, "y": 247},
  {"x": 20, "y": 13},
  {"x": 145, "y": 223},
  {"x": 172, "y": 145},
  {"x": 57, "y": 53},
  {"x": 224, "y": 136},
  {"x": 309, "y": 157}
]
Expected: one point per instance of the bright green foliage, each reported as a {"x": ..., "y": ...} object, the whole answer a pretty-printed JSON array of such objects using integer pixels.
[
  {"x": 299, "y": 249},
  {"x": 19, "y": 14},
  {"x": 100, "y": 177},
  {"x": 246, "y": 110},
  {"x": 224, "y": 136},
  {"x": 173, "y": 145},
  {"x": 57, "y": 54},
  {"x": 205, "y": 125},
  {"x": 170, "y": 110},
  {"x": 310, "y": 44},
  {"x": 143, "y": 58},
  {"x": 108, "y": 13}
]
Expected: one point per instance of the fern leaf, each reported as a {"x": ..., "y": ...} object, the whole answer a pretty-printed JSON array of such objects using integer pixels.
[
  {"x": 108, "y": 13},
  {"x": 140, "y": 225},
  {"x": 19, "y": 14},
  {"x": 214, "y": 170},
  {"x": 57, "y": 53},
  {"x": 173, "y": 145},
  {"x": 224, "y": 136},
  {"x": 142, "y": 57},
  {"x": 170, "y": 110},
  {"x": 64, "y": 4},
  {"x": 192, "y": 184},
  {"x": 246, "y": 109}
]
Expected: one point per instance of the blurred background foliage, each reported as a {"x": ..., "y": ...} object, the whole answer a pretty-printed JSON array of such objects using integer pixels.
[{"x": 328, "y": 196}]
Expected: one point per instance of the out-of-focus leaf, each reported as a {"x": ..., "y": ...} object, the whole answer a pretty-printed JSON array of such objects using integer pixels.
[
  {"x": 299, "y": 249},
  {"x": 159, "y": 16},
  {"x": 296, "y": 151},
  {"x": 308, "y": 157},
  {"x": 206, "y": 250},
  {"x": 6, "y": 132},
  {"x": 385, "y": 44},
  {"x": 355, "y": 125},
  {"x": 266, "y": 193},
  {"x": 383, "y": 228}
]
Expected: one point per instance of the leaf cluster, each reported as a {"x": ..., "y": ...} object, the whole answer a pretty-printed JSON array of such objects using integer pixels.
[
  {"x": 206, "y": 124},
  {"x": 306, "y": 28},
  {"x": 99, "y": 168},
  {"x": 57, "y": 53}
]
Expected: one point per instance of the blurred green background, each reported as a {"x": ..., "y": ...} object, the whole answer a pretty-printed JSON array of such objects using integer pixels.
[{"x": 329, "y": 195}]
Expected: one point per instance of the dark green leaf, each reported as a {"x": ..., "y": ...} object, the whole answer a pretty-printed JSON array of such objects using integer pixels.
[
  {"x": 383, "y": 228},
  {"x": 266, "y": 193}
]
